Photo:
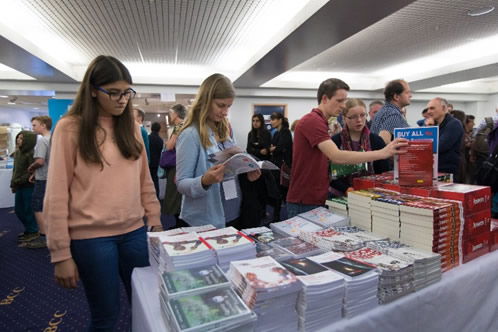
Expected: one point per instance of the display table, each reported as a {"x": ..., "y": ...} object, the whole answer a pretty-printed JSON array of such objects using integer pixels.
[
  {"x": 6, "y": 196},
  {"x": 466, "y": 299}
]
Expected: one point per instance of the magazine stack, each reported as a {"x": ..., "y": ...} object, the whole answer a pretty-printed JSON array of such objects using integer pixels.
[
  {"x": 361, "y": 282},
  {"x": 338, "y": 205},
  {"x": 434, "y": 225},
  {"x": 276, "y": 252},
  {"x": 385, "y": 216},
  {"x": 320, "y": 302},
  {"x": 426, "y": 265},
  {"x": 395, "y": 275},
  {"x": 359, "y": 234},
  {"x": 325, "y": 218},
  {"x": 184, "y": 251},
  {"x": 260, "y": 234},
  {"x": 269, "y": 290},
  {"x": 201, "y": 299},
  {"x": 293, "y": 226},
  {"x": 330, "y": 239},
  {"x": 154, "y": 245},
  {"x": 296, "y": 247},
  {"x": 154, "y": 242},
  {"x": 229, "y": 244}
]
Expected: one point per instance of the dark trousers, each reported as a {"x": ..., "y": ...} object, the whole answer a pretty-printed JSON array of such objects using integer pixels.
[{"x": 102, "y": 262}]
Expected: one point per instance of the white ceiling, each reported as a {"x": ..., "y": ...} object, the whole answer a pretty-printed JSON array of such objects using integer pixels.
[{"x": 433, "y": 44}]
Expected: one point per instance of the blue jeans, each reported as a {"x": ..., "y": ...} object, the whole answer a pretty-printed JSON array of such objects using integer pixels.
[
  {"x": 293, "y": 209},
  {"x": 101, "y": 263},
  {"x": 24, "y": 210}
]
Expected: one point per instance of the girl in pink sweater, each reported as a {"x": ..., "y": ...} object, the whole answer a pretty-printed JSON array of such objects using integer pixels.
[{"x": 98, "y": 190}]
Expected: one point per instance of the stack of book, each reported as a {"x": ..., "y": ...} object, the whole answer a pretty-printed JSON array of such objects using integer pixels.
[
  {"x": 338, "y": 205},
  {"x": 294, "y": 226},
  {"x": 395, "y": 275},
  {"x": 187, "y": 281},
  {"x": 433, "y": 225},
  {"x": 229, "y": 244},
  {"x": 330, "y": 239},
  {"x": 325, "y": 218},
  {"x": 320, "y": 302},
  {"x": 201, "y": 299},
  {"x": 184, "y": 251},
  {"x": 361, "y": 282},
  {"x": 359, "y": 209},
  {"x": 359, "y": 234},
  {"x": 296, "y": 247},
  {"x": 269, "y": 290},
  {"x": 260, "y": 234},
  {"x": 276, "y": 252},
  {"x": 154, "y": 243},
  {"x": 426, "y": 265}
]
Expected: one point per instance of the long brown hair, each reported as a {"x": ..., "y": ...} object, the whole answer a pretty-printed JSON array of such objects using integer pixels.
[
  {"x": 216, "y": 86},
  {"x": 103, "y": 70}
]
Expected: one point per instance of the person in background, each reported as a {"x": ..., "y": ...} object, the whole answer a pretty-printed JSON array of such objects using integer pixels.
[
  {"x": 293, "y": 126},
  {"x": 98, "y": 190},
  {"x": 356, "y": 136},
  {"x": 313, "y": 149},
  {"x": 467, "y": 142},
  {"x": 39, "y": 169},
  {"x": 208, "y": 197},
  {"x": 258, "y": 139},
  {"x": 255, "y": 195},
  {"x": 390, "y": 116},
  {"x": 22, "y": 187},
  {"x": 425, "y": 115},
  {"x": 459, "y": 115},
  {"x": 374, "y": 107},
  {"x": 281, "y": 156},
  {"x": 139, "y": 116},
  {"x": 172, "y": 198},
  {"x": 156, "y": 147},
  {"x": 450, "y": 136}
]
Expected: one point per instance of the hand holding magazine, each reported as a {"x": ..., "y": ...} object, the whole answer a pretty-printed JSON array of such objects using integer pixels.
[{"x": 237, "y": 162}]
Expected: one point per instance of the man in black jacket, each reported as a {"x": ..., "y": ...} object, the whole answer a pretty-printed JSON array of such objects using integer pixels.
[{"x": 450, "y": 135}]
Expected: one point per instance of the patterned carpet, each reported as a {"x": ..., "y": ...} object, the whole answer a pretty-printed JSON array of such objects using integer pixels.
[{"x": 30, "y": 300}]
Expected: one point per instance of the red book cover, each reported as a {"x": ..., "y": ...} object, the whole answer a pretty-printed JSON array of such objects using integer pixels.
[
  {"x": 363, "y": 183},
  {"x": 474, "y": 198},
  {"x": 475, "y": 246},
  {"x": 416, "y": 165},
  {"x": 419, "y": 191},
  {"x": 477, "y": 223}
]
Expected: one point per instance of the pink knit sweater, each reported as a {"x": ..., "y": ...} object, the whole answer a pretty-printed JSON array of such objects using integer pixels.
[{"x": 83, "y": 202}]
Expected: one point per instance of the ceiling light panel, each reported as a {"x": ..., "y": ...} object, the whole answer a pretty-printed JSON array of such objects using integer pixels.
[
  {"x": 7, "y": 73},
  {"x": 217, "y": 35},
  {"x": 419, "y": 30}
]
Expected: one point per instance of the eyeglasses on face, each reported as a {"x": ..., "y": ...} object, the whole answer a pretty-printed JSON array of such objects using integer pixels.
[
  {"x": 117, "y": 95},
  {"x": 357, "y": 116}
]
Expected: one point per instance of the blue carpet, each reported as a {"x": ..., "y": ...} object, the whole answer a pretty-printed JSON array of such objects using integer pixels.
[{"x": 30, "y": 300}]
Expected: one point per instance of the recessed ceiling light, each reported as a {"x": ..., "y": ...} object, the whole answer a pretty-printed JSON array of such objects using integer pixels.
[
  {"x": 480, "y": 11},
  {"x": 4, "y": 96}
]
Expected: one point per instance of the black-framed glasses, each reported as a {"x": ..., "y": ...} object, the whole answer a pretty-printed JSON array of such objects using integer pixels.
[{"x": 117, "y": 95}]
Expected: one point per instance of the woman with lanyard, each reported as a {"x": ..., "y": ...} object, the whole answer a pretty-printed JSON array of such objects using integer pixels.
[
  {"x": 208, "y": 197},
  {"x": 355, "y": 136}
]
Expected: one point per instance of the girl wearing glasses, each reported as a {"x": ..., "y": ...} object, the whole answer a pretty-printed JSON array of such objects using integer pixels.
[
  {"x": 98, "y": 190},
  {"x": 355, "y": 136},
  {"x": 208, "y": 197}
]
